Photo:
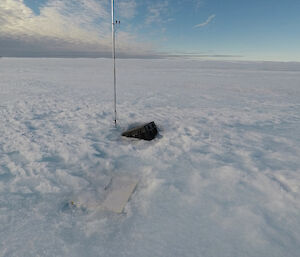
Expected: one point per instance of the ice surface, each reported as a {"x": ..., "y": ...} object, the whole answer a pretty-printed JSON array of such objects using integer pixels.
[{"x": 222, "y": 179}]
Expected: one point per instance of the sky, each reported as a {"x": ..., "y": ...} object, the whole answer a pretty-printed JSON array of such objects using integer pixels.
[{"x": 209, "y": 29}]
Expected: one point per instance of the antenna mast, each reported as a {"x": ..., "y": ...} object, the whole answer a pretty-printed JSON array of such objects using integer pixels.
[{"x": 114, "y": 56}]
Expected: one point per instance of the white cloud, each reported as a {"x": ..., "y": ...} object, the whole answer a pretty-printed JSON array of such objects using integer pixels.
[
  {"x": 127, "y": 8},
  {"x": 209, "y": 19},
  {"x": 198, "y": 3},
  {"x": 69, "y": 25},
  {"x": 156, "y": 12}
]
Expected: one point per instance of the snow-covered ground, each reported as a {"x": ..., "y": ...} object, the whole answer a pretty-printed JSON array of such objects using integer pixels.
[{"x": 222, "y": 179}]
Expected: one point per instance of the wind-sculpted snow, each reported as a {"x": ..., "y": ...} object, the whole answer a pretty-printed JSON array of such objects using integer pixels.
[{"x": 222, "y": 178}]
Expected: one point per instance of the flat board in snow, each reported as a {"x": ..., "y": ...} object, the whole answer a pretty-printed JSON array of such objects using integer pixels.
[{"x": 119, "y": 192}]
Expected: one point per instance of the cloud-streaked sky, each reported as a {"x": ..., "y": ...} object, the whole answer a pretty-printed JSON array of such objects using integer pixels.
[{"x": 253, "y": 30}]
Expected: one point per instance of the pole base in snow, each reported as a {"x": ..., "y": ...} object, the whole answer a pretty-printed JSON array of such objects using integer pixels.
[{"x": 147, "y": 131}]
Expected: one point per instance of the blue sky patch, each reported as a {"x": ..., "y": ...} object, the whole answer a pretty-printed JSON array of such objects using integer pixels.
[{"x": 35, "y": 5}]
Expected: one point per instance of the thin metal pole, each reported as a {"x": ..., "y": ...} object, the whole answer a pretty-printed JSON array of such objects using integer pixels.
[{"x": 114, "y": 56}]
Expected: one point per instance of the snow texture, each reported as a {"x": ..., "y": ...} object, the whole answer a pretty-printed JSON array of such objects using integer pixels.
[{"x": 221, "y": 179}]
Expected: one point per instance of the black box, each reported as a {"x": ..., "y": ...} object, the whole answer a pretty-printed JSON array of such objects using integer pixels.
[{"x": 147, "y": 131}]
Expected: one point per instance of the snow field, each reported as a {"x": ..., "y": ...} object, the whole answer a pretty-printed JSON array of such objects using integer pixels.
[{"x": 222, "y": 179}]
